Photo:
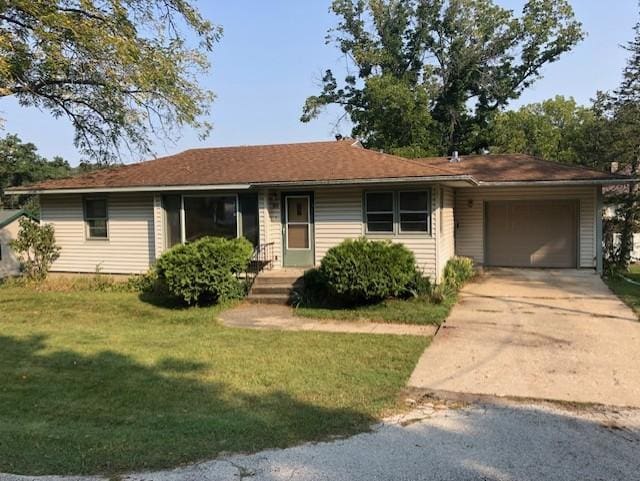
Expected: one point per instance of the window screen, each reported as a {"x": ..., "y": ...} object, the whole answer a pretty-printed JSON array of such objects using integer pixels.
[
  {"x": 379, "y": 211},
  {"x": 96, "y": 218},
  {"x": 414, "y": 211}
]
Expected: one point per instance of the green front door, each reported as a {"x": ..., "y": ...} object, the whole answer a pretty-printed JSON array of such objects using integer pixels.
[{"x": 297, "y": 230}]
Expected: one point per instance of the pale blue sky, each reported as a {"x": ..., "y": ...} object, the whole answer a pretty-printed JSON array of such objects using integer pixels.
[{"x": 272, "y": 56}]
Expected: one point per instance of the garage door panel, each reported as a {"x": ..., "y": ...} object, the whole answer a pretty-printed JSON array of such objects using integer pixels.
[{"x": 531, "y": 233}]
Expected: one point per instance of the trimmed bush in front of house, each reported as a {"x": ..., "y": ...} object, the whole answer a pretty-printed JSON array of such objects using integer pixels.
[
  {"x": 205, "y": 271},
  {"x": 363, "y": 271},
  {"x": 418, "y": 302}
]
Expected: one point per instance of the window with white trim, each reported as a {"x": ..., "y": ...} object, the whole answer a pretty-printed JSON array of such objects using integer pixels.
[
  {"x": 414, "y": 212},
  {"x": 398, "y": 212},
  {"x": 379, "y": 212},
  {"x": 96, "y": 218}
]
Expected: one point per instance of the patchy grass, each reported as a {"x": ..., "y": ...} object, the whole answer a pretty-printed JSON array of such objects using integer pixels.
[
  {"x": 629, "y": 293},
  {"x": 101, "y": 382},
  {"x": 411, "y": 311}
]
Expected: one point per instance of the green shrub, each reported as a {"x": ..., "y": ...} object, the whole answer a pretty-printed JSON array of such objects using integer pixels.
[
  {"x": 205, "y": 271},
  {"x": 420, "y": 286},
  {"x": 144, "y": 283},
  {"x": 364, "y": 271},
  {"x": 314, "y": 290},
  {"x": 439, "y": 293},
  {"x": 458, "y": 271},
  {"x": 36, "y": 247}
]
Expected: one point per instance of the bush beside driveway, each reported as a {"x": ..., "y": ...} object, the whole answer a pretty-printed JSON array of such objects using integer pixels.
[{"x": 628, "y": 291}]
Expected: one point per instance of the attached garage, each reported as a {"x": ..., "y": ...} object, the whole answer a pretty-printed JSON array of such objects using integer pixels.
[
  {"x": 528, "y": 226},
  {"x": 531, "y": 233}
]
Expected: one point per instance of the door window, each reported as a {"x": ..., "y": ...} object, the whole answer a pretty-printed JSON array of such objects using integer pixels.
[{"x": 298, "y": 222}]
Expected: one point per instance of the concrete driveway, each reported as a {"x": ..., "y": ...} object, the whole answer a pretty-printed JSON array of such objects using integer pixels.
[{"x": 542, "y": 334}]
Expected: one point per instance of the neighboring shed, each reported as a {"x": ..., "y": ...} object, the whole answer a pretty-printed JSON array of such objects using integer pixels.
[{"x": 9, "y": 228}]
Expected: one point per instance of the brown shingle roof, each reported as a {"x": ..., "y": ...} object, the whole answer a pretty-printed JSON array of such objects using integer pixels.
[
  {"x": 313, "y": 162},
  {"x": 516, "y": 168}
]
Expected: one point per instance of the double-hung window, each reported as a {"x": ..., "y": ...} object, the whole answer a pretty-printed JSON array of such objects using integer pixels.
[
  {"x": 379, "y": 212},
  {"x": 96, "y": 218},
  {"x": 399, "y": 212},
  {"x": 414, "y": 211}
]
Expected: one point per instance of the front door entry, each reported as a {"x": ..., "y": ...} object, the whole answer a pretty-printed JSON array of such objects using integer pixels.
[{"x": 297, "y": 230}]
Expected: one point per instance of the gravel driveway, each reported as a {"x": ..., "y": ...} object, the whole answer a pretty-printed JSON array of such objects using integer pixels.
[
  {"x": 543, "y": 334},
  {"x": 508, "y": 442}
]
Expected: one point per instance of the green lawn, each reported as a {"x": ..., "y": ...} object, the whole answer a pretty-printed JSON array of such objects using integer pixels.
[
  {"x": 105, "y": 383},
  {"x": 629, "y": 293},
  {"x": 412, "y": 311}
]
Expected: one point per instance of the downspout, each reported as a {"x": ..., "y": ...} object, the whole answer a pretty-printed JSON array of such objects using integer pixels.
[{"x": 599, "y": 240}]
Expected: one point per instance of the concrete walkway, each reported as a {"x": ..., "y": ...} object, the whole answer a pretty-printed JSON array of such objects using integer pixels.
[
  {"x": 266, "y": 316},
  {"x": 545, "y": 334},
  {"x": 508, "y": 442}
]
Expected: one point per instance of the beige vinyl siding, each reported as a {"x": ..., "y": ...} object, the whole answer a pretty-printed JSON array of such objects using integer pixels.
[
  {"x": 131, "y": 244},
  {"x": 469, "y": 216},
  {"x": 9, "y": 262},
  {"x": 159, "y": 240},
  {"x": 275, "y": 226},
  {"x": 423, "y": 246},
  {"x": 445, "y": 227},
  {"x": 338, "y": 216},
  {"x": 263, "y": 217}
]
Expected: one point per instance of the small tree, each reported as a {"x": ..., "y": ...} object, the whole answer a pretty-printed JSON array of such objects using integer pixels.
[{"x": 36, "y": 247}]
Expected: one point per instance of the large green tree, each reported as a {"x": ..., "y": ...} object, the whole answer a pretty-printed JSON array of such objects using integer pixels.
[
  {"x": 555, "y": 129},
  {"x": 21, "y": 164},
  {"x": 426, "y": 75},
  {"x": 623, "y": 110},
  {"x": 122, "y": 71}
]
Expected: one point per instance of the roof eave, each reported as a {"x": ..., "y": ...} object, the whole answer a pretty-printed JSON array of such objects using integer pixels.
[
  {"x": 507, "y": 183},
  {"x": 363, "y": 181},
  {"x": 152, "y": 188},
  {"x": 164, "y": 188},
  {"x": 369, "y": 181}
]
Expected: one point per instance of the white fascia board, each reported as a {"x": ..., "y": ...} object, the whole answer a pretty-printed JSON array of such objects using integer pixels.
[
  {"x": 161, "y": 188},
  {"x": 515, "y": 183}
]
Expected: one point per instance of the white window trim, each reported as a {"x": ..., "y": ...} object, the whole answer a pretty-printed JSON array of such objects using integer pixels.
[
  {"x": 397, "y": 230},
  {"x": 87, "y": 230},
  {"x": 286, "y": 222}
]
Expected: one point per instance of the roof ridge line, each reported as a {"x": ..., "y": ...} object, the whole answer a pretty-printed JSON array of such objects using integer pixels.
[{"x": 404, "y": 159}]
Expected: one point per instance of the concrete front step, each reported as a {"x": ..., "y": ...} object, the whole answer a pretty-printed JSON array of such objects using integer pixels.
[
  {"x": 281, "y": 299},
  {"x": 272, "y": 289},
  {"x": 279, "y": 280}
]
